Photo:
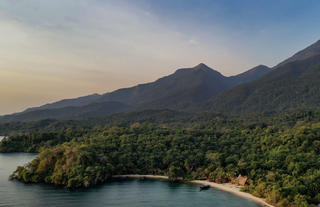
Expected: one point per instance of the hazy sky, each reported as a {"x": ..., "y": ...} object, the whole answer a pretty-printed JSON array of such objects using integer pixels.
[{"x": 54, "y": 49}]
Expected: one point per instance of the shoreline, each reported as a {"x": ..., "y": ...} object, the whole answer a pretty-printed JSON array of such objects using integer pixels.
[{"x": 224, "y": 187}]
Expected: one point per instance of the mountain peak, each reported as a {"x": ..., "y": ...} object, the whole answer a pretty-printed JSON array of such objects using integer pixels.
[
  {"x": 198, "y": 68},
  {"x": 260, "y": 68},
  {"x": 250, "y": 75},
  {"x": 201, "y": 66}
]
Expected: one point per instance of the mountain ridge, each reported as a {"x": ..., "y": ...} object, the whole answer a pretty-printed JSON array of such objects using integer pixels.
[
  {"x": 91, "y": 110},
  {"x": 291, "y": 86},
  {"x": 79, "y": 101},
  {"x": 177, "y": 91},
  {"x": 310, "y": 51},
  {"x": 202, "y": 88}
]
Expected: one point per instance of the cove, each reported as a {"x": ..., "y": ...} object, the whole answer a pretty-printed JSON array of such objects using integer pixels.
[{"x": 124, "y": 193}]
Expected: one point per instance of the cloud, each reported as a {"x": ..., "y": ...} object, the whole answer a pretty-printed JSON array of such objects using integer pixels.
[
  {"x": 110, "y": 34},
  {"x": 77, "y": 47}
]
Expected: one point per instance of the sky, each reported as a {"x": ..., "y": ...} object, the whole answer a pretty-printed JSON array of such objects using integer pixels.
[{"x": 51, "y": 50}]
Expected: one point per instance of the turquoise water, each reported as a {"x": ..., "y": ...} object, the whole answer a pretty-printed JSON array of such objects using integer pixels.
[{"x": 133, "y": 193}]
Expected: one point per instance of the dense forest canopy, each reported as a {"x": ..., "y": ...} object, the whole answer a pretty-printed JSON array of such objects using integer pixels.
[{"x": 280, "y": 155}]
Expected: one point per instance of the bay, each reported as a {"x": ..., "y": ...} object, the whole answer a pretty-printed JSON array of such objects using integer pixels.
[{"x": 133, "y": 193}]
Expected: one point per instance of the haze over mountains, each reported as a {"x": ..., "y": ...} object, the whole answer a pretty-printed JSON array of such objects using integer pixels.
[
  {"x": 291, "y": 84},
  {"x": 188, "y": 85},
  {"x": 178, "y": 91}
]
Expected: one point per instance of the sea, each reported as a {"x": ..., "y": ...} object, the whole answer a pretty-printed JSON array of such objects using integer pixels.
[{"x": 124, "y": 193}]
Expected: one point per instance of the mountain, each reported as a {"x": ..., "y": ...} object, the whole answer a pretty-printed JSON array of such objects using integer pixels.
[
  {"x": 250, "y": 75},
  {"x": 294, "y": 85},
  {"x": 179, "y": 91},
  {"x": 311, "y": 51},
  {"x": 69, "y": 112},
  {"x": 204, "y": 88},
  {"x": 185, "y": 86},
  {"x": 81, "y": 101}
]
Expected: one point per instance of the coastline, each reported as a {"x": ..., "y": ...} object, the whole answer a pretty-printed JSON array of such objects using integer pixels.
[{"x": 225, "y": 187}]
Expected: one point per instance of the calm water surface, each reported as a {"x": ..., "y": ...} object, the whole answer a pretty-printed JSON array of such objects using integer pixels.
[{"x": 133, "y": 193}]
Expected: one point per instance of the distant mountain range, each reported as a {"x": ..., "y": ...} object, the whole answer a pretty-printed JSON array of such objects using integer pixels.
[
  {"x": 292, "y": 84},
  {"x": 179, "y": 91}
]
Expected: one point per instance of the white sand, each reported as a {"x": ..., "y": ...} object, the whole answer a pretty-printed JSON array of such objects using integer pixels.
[
  {"x": 225, "y": 187},
  {"x": 233, "y": 189}
]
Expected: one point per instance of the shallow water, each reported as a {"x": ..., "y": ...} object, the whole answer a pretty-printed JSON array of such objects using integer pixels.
[{"x": 133, "y": 193}]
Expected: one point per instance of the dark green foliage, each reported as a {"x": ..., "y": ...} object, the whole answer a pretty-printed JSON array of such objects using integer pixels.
[
  {"x": 281, "y": 160},
  {"x": 33, "y": 142},
  {"x": 161, "y": 117},
  {"x": 167, "y": 118}
]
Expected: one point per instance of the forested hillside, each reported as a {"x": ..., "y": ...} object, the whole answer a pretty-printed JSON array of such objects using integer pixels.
[
  {"x": 292, "y": 86},
  {"x": 279, "y": 156}
]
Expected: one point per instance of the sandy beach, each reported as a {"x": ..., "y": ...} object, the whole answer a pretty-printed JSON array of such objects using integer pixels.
[{"x": 225, "y": 187}]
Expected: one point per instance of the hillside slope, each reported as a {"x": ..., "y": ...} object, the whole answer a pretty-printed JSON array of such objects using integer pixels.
[
  {"x": 294, "y": 85},
  {"x": 69, "y": 112},
  {"x": 311, "y": 51},
  {"x": 198, "y": 83},
  {"x": 80, "y": 101}
]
